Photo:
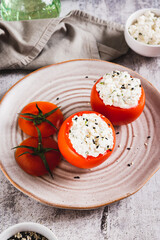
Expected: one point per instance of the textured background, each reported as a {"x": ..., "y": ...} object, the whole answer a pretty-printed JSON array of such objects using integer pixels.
[{"x": 134, "y": 218}]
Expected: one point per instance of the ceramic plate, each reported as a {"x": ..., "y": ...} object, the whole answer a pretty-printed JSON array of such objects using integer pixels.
[{"x": 69, "y": 85}]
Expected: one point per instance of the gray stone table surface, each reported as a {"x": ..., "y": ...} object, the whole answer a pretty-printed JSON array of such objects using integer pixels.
[{"x": 134, "y": 218}]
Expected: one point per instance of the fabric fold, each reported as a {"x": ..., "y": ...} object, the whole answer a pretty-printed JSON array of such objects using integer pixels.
[{"x": 36, "y": 43}]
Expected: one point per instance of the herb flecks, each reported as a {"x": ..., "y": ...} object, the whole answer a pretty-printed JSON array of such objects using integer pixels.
[
  {"x": 130, "y": 164},
  {"x": 76, "y": 177},
  {"x": 27, "y": 235}
]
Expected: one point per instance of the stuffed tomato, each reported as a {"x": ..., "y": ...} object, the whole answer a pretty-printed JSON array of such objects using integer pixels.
[
  {"x": 86, "y": 139},
  {"x": 118, "y": 96}
]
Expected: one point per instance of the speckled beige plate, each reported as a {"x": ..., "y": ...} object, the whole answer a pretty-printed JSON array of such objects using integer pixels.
[{"x": 69, "y": 85}]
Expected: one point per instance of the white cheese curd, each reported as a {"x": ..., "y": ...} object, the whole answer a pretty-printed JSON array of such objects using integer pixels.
[
  {"x": 146, "y": 29},
  {"x": 90, "y": 135},
  {"x": 119, "y": 89}
]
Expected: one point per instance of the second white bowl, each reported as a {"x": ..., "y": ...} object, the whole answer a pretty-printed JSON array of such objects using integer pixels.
[
  {"x": 27, "y": 226},
  {"x": 141, "y": 48}
]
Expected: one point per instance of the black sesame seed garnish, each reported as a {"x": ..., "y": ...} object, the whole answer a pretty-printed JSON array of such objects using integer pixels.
[
  {"x": 117, "y": 132},
  {"x": 96, "y": 123},
  {"x": 76, "y": 177},
  {"x": 83, "y": 118},
  {"x": 57, "y": 98},
  {"x": 86, "y": 76},
  {"x": 129, "y": 84},
  {"x": 128, "y": 164},
  {"x": 98, "y": 91},
  {"x": 97, "y": 136},
  {"x": 140, "y": 85},
  {"x": 69, "y": 131},
  {"x": 123, "y": 87},
  {"x": 132, "y": 88},
  {"x": 97, "y": 146},
  {"x": 93, "y": 141},
  {"x": 86, "y": 125},
  {"x": 110, "y": 150},
  {"x": 149, "y": 137},
  {"x": 106, "y": 138},
  {"x": 107, "y": 146},
  {"x": 128, "y": 148},
  {"x": 94, "y": 127},
  {"x": 109, "y": 124},
  {"x": 75, "y": 118}
]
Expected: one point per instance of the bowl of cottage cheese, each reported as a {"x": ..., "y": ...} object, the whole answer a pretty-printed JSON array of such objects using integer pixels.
[{"x": 142, "y": 32}]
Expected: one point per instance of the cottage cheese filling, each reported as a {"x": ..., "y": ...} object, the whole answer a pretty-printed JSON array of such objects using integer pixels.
[
  {"x": 146, "y": 29},
  {"x": 119, "y": 89},
  {"x": 90, "y": 135}
]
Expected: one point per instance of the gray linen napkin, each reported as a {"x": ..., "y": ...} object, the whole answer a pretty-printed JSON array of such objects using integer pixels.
[{"x": 36, "y": 43}]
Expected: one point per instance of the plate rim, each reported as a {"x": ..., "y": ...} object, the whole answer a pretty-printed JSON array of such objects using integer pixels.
[{"x": 61, "y": 205}]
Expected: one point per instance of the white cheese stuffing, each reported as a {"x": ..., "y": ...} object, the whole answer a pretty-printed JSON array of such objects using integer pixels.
[
  {"x": 119, "y": 89},
  {"x": 90, "y": 135},
  {"x": 146, "y": 29}
]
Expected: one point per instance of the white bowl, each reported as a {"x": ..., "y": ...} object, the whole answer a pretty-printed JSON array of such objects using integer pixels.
[
  {"x": 141, "y": 48},
  {"x": 27, "y": 226}
]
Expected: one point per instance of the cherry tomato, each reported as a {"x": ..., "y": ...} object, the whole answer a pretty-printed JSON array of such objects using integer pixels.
[
  {"x": 70, "y": 154},
  {"x": 33, "y": 164},
  {"x": 47, "y": 125},
  {"x": 118, "y": 116}
]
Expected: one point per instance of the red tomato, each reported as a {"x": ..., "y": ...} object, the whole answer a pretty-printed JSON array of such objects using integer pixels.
[
  {"x": 33, "y": 164},
  {"x": 70, "y": 154},
  {"x": 118, "y": 116},
  {"x": 46, "y": 129}
]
